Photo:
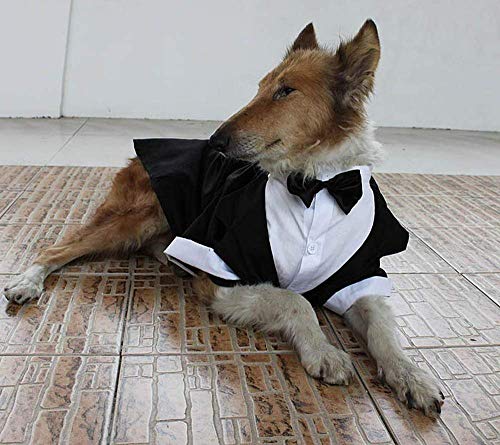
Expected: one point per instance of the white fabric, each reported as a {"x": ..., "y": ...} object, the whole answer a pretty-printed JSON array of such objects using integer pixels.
[
  {"x": 199, "y": 256},
  {"x": 345, "y": 298},
  {"x": 310, "y": 244}
]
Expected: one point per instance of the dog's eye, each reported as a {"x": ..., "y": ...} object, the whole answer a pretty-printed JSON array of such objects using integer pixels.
[{"x": 283, "y": 92}]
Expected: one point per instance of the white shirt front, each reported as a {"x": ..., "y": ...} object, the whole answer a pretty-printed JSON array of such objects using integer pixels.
[{"x": 311, "y": 244}]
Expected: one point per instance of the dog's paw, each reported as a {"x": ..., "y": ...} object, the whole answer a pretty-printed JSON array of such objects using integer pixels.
[
  {"x": 414, "y": 386},
  {"x": 22, "y": 289},
  {"x": 329, "y": 364}
]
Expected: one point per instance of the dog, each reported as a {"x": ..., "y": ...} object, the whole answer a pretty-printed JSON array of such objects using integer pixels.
[{"x": 307, "y": 117}]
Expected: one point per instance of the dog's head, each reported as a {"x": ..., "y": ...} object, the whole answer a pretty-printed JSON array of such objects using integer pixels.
[{"x": 307, "y": 106}]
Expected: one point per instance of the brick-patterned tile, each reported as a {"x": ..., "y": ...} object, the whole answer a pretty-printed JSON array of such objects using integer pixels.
[
  {"x": 444, "y": 211},
  {"x": 165, "y": 316},
  {"x": 488, "y": 283},
  {"x": 7, "y": 197},
  {"x": 118, "y": 265},
  {"x": 49, "y": 400},
  {"x": 20, "y": 244},
  {"x": 417, "y": 258},
  {"x": 76, "y": 314},
  {"x": 16, "y": 177},
  {"x": 247, "y": 399},
  {"x": 147, "y": 265},
  {"x": 134, "y": 264},
  {"x": 457, "y": 185},
  {"x": 74, "y": 178},
  {"x": 436, "y": 311},
  {"x": 54, "y": 207},
  {"x": 468, "y": 249},
  {"x": 469, "y": 380}
]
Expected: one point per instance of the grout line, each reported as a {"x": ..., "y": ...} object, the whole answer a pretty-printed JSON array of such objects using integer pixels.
[
  {"x": 364, "y": 385},
  {"x": 4, "y": 211},
  {"x": 65, "y": 63},
  {"x": 480, "y": 290},
  {"x": 432, "y": 249},
  {"x": 112, "y": 417},
  {"x": 462, "y": 274},
  {"x": 65, "y": 144},
  {"x": 231, "y": 353}
]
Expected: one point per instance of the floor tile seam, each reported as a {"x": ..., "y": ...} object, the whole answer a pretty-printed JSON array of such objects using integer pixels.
[
  {"x": 11, "y": 204},
  {"x": 68, "y": 189},
  {"x": 433, "y": 250},
  {"x": 378, "y": 409},
  {"x": 418, "y": 348},
  {"x": 211, "y": 354},
  {"x": 497, "y": 304},
  {"x": 493, "y": 225},
  {"x": 230, "y": 353},
  {"x": 116, "y": 387},
  {"x": 66, "y": 143},
  {"x": 58, "y": 354}
]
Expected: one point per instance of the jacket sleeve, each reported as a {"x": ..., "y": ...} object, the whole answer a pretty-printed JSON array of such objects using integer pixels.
[{"x": 185, "y": 175}]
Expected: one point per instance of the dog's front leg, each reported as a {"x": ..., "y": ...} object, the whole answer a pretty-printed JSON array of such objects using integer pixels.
[
  {"x": 373, "y": 320},
  {"x": 278, "y": 310}
]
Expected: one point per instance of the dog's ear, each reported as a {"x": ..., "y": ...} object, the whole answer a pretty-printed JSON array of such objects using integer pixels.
[
  {"x": 355, "y": 63},
  {"x": 305, "y": 40}
]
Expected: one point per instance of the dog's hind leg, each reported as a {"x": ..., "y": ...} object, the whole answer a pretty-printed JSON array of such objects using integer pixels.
[
  {"x": 120, "y": 234},
  {"x": 129, "y": 217},
  {"x": 278, "y": 310},
  {"x": 372, "y": 319}
]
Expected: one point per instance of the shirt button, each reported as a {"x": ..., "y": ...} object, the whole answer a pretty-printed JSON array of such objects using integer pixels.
[{"x": 312, "y": 248}]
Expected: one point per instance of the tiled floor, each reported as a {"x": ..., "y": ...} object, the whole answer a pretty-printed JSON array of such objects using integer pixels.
[{"x": 119, "y": 351}]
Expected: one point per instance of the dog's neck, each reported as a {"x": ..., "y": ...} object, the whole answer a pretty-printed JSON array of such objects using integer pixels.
[{"x": 358, "y": 149}]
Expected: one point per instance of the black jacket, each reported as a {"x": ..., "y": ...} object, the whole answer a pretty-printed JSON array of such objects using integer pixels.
[{"x": 219, "y": 202}]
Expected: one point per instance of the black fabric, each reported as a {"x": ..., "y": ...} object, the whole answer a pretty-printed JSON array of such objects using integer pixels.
[
  {"x": 213, "y": 200},
  {"x": 387, "y": 237},
  {"x": 346, "y": 188},
  {"x": 220, "y": 202}
]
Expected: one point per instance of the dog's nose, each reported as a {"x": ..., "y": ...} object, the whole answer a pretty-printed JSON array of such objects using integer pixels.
[{"x": 220, "y": 140}]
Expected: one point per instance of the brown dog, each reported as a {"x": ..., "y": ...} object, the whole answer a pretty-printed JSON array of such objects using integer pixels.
[{"x": 308, "y": 116}]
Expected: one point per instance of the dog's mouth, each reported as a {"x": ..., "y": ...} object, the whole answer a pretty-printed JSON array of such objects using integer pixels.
[
  {"x": 272, "y": 144},
  {"x": 246, "y": 151}
]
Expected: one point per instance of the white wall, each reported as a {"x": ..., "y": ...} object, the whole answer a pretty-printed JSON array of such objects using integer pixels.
[
  {"x": 33, "y": 37},
  {"x": 192, "y": 59}
]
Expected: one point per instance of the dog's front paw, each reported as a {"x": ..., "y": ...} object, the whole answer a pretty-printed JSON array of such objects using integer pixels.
[
  {"x": 414, "y": 386},
  {"x": 22, "y": 289},
  {"x": 329, "y": 364}
]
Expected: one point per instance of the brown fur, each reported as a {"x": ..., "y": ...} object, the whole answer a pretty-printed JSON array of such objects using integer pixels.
[
  {"x": 326, "y": 106},
  {"x": 129, "y": 218}
]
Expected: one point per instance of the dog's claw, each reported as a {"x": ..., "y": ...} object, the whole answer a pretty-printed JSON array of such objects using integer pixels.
[
  {"x": 437, "y": 405},
  {"x": 441, "y": 394},
  {"x": 409, "y": 399}
]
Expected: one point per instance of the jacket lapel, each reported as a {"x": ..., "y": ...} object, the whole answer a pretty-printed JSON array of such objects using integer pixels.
[{"x": 241, "y": 237}]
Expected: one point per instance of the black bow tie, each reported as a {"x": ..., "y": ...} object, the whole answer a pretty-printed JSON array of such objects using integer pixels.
[{"x": 346, "y": 188}]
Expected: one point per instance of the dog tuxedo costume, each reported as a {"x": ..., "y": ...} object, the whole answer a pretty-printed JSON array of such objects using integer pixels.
[{"x": 322, "y": 238}]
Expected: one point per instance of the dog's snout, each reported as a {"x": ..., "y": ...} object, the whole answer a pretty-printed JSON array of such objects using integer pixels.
[{"x": 220, "y": 139}]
